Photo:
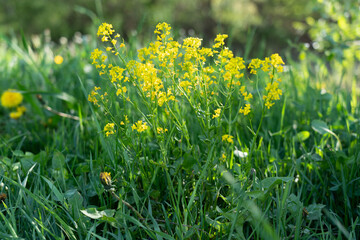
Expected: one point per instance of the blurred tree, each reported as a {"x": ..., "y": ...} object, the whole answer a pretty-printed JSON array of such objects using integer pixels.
[{"x": 272, "y": 18}]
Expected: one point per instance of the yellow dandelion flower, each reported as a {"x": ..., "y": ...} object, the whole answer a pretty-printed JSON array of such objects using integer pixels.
[
  {"x": 18, "y": 113},
  {"x": 58, "y": 59},
  {"x": 10, "y": 98},
  {"x": 105, "y": 178}
]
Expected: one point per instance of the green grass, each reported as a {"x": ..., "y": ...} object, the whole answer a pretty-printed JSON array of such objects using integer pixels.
[{"x": 300, "y": 182}]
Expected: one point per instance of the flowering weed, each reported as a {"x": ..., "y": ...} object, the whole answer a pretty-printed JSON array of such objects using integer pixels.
[{"x": 184, "y": 102}]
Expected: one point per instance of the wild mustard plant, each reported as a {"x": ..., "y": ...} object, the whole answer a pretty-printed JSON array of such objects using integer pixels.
[
  {"x": 175, "y": 94},
  {"x": 170, "y": 80},
  {"x": 109, "y": 129}
]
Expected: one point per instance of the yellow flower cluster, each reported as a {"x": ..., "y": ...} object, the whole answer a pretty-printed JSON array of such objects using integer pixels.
[
  {"x": 273, "y": 93},
  {"x": 158, "y": 62},
  {"x": 227, "y": 138},
  {"x": 126, "y": 120},
  {"x": 139, "y": 126},
  {"x": 105, "y": 30},
  {"x": 94, "y": 95},
  {"x": 220, "y": 40},
  {"x": 97, "y": 55},
  {"x": 12, "y": 99},
  {"x": 245, "y": 110},
  {"x": 166, "y": 72},
  {"x": 109, "y": 129},
  {"x": 163, "y": 30},
  {"x": 272, "y": 64},
  {"x": 161, "y": 130},
  {"x": 217, "y": 113},
  {"x": 145, "y": 74}
]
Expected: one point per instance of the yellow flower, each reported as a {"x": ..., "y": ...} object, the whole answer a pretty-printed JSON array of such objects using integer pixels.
[
  {"x": 58, "y": 59},
  {"x": 109, "y": 129},
  {"x": 273, "y": 93},
  {"x": 105, "y": 178},
  {"x": 161, "y": 130},
  {"x": 277, "y": 62},
  {"x": 219, "y": 40},
  {"x": 95, "y": 55},
  {"x": 245, "y": 110},
  {"x": 10, "y": 98},
  {"x": 163, "y": 30},
  {"x": 21, "y": 109},
  {"x": 227, "y": 138},
  {"x": 223, "y": 157},
  {"x": 121, "y": 91},
  {"x": 217, "y": 113},
  {"x": 16, "y": 115},
  {"x": 255, "y": 64},
  {"x": 139, "y": 126},
  {"x": 105, "y": 30}
]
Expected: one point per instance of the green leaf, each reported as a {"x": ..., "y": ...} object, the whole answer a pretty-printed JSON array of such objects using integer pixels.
[
  {"x": 18, "y": 153},
  {"x": 314, "y": 211},
  {"x": 256, "y": 194},
  {"x": 59, "y": 196},
  {"x": 320, "y": 127},
  {"x": 66, "y": 97},
  {"x": 302, "y": 136},
  {"x": 58, "y": 160},
  {"x": 270, "y": 182},
  {"x": 294, "y": 204},
  {"x": 41, "y": 158},
  {"x": 23, "y": 38},
  {"x": 189, "y": 161},
  {"x": 95, "y": 214}
]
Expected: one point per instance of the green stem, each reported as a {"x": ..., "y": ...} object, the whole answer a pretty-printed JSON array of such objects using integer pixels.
[{"x": 255, "y": 137}]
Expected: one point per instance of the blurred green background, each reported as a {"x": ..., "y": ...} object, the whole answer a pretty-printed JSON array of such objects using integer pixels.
[
  {"x": 262, "y": 27},
  {"x": 270, "y": 23}
]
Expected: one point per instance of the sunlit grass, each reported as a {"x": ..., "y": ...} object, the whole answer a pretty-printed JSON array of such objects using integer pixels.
[{"x": 191, "y": 163}]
